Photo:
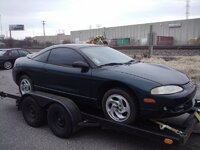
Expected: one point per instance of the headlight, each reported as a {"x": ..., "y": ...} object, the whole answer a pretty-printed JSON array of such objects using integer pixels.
[{"x": 169, "y": 89}]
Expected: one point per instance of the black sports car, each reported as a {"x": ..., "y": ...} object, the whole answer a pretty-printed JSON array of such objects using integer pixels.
[
  {"x": 8, "y": 56},
  {"x": 124, "y": 88}
]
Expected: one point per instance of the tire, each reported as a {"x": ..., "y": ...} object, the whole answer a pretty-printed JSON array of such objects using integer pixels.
[
  {"x": 59, "y": 121},
  {"x": 7, "y": 65},
  {"x": 33, "y": 114},
  {"x": 118, "y": 105},
  {"x": 25, "y": 85}
]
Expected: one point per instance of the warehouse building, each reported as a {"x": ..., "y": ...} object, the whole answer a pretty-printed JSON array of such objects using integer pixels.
[
  {"x": 54, "y": 39},
  {"x": 179, "y": 32}
]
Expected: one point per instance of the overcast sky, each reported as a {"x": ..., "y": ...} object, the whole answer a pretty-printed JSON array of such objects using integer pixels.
[{"x": 69, "y": 15}]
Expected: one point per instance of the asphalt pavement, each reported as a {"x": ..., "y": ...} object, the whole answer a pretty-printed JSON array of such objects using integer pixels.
[{"x": 15, "y": 134}]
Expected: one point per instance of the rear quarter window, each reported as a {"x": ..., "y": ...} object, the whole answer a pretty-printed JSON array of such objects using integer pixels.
[
  {"x": 23, "y": 52},
  {"x": 42, "y": 57}
]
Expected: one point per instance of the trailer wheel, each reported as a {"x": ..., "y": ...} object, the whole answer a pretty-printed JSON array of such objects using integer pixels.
[
  {"x": 120, "y": 106},
  {"x": 33, "y": 114},
  {"x": 60, "y": 121}
]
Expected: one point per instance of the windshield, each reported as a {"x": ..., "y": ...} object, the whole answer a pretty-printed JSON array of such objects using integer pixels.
[
  {"x": 2, "y": 52},
  {"x": 105, "y": 55}
]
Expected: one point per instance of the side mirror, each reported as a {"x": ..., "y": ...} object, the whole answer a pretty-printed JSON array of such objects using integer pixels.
[{"x": 80, "y": 64}]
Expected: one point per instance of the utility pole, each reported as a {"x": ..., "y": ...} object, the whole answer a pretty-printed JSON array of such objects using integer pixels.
[
  {"x": 187, "y": 17},
  {"x": 10, "y": 40},
  {"x": 150, "y": 40},
  {"x": 187, "y": 9},
  {"x": 43, "y": 23},
  {"x": 90, "y": 26},
  {"x": 104, "y": 32},
  {"x": 98, "y": 26},
  {"x": 10, "y": 33}
]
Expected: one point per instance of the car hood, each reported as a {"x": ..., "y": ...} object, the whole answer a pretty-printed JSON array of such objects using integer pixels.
[{"x": 154, "y": 72}]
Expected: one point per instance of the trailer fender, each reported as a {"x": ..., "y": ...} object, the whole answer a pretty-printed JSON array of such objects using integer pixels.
[{"x": 45, "y": 100}]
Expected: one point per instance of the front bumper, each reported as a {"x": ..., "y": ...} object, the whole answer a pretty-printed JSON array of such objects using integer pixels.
[
  {"x": 171, "y": 105},
  {"x": 14, "y": 74}
]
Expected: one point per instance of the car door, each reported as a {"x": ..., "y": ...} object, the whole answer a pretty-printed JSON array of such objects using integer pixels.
[{"x": 62, "y": 77}]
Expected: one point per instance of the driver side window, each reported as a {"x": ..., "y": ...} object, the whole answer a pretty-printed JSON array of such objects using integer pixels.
[{"x": 64, "y": 56}]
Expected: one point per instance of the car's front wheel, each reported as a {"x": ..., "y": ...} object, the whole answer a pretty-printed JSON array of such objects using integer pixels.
[
  {"x": 7, "y": 65},
  {"x": 25, "y": 84},
  {"x": 120, "y": 106}
]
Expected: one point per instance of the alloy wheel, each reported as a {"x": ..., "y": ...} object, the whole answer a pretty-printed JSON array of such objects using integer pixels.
[
  {"x": 118, "y": 107},
  {"x": 25, "y": 86}
]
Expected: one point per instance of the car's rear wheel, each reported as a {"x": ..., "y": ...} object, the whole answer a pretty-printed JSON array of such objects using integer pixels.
[
  {"x": 25, "y": 84},
  {"x": 120, "y": 106},
  {"x": 7, "y": 65}
]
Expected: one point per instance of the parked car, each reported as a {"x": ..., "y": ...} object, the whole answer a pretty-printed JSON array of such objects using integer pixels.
[
  {"x": 8, "y": 56},
  {"x": 124, "y": 88}
]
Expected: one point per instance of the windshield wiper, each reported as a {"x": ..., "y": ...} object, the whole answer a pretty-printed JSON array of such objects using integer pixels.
[
  {"x": 132, "y": 60},
  {"x": 111, "y": 64}
]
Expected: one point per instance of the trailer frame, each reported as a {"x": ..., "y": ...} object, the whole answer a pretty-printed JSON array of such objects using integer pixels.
[{"x": 159, "y": 131}]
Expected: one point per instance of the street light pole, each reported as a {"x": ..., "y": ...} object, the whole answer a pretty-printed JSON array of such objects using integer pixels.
[{"x": 1, "y": 24}]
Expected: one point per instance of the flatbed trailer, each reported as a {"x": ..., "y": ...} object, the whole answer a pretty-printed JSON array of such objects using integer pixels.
[{"x": 162, "y": 131}]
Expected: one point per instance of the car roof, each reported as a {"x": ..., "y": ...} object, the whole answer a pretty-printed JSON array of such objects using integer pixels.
[
  {"x": 73, "y": 46},
  {"x": 76, "y": 46}
]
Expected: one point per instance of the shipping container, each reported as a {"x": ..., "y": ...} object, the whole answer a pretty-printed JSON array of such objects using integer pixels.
[
  {"x": 113, "y": 42},
  {"x": 123, "y": 41},
  {"x": 165, "y": 40}
]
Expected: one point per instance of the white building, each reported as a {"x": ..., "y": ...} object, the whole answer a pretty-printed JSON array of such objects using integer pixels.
[{"x": 183, "y": 32}]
